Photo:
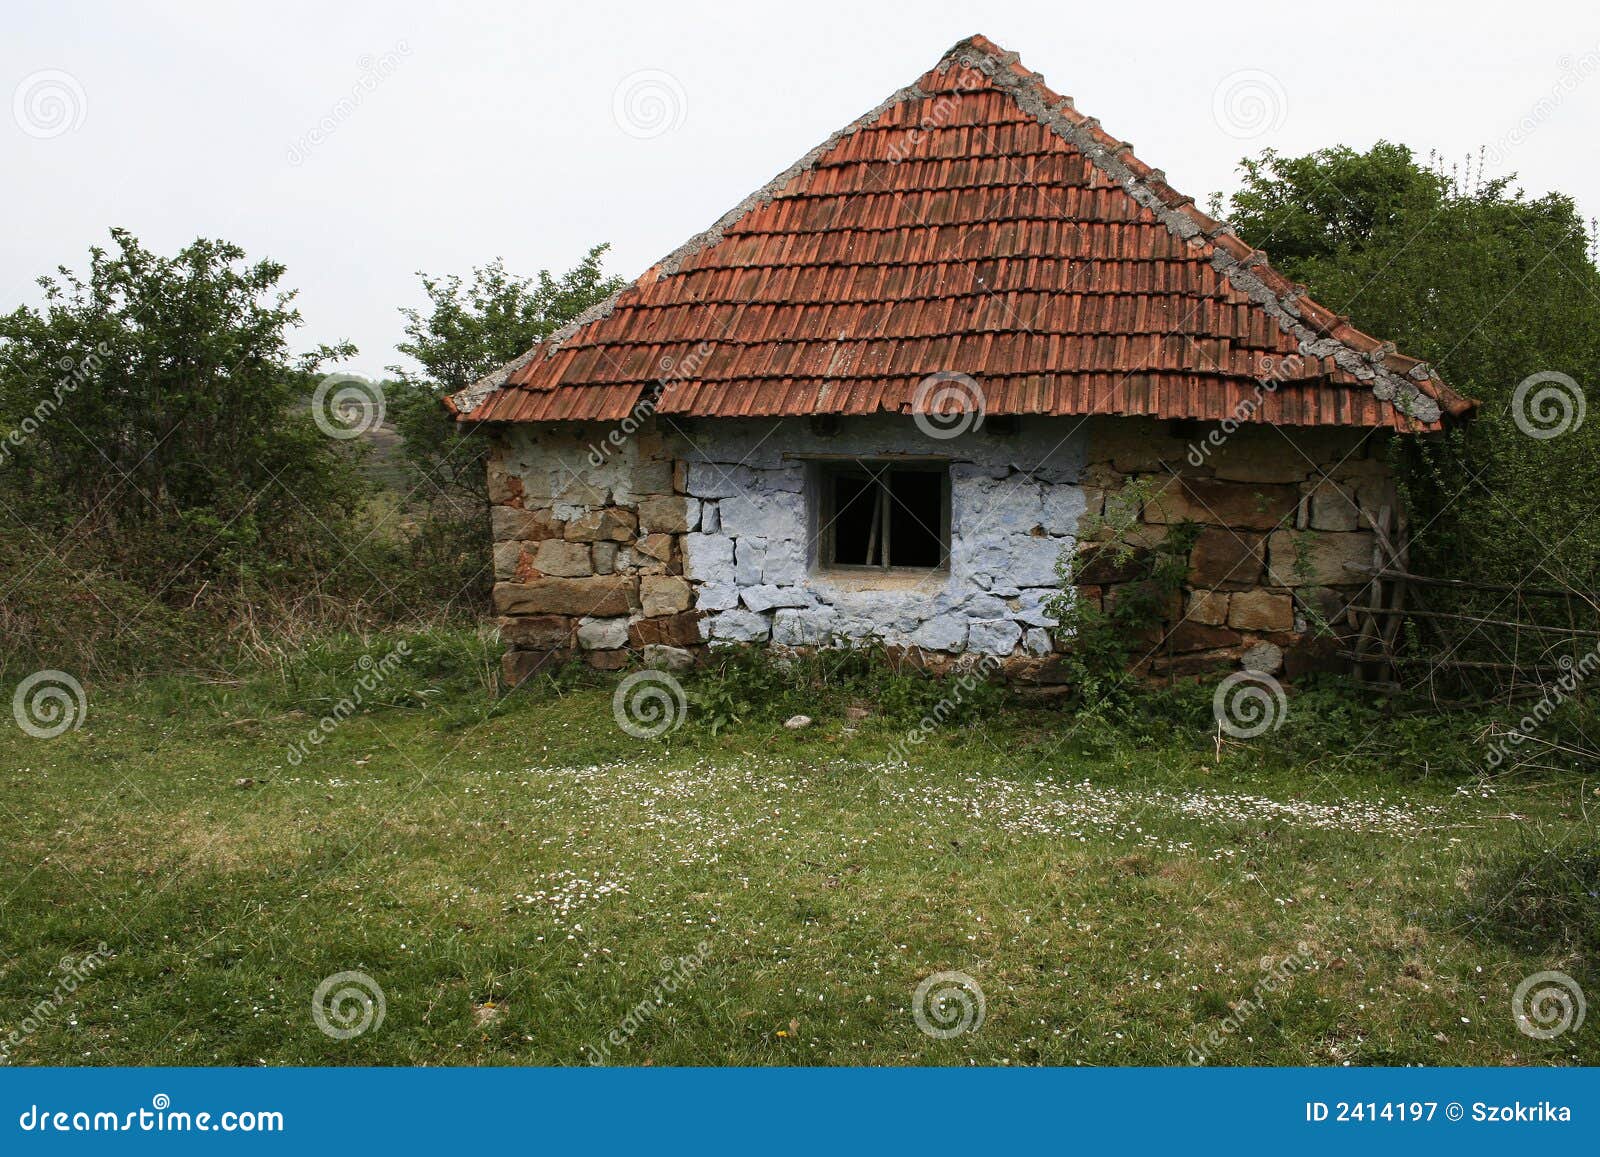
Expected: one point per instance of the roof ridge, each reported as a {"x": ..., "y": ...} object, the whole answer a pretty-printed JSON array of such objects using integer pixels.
[{"x": 1407, "y": 384}]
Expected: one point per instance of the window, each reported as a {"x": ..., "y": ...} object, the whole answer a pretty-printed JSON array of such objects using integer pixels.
[{"x": 874, "y": 515}]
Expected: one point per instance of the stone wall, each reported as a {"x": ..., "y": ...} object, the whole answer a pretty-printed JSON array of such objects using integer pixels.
[
  {"x": 588, "y": 548},
  {"x": 1014, "y": 509},
  {"x": 677, "y": 537},
  {"x": 1281, "y": 514}
]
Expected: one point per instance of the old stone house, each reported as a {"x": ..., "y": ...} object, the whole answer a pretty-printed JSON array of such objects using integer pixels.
[{"x": 885, "y": 396}]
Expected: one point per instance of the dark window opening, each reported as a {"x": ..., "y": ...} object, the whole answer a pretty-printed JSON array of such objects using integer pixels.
[{"x": 879, "y": 515}]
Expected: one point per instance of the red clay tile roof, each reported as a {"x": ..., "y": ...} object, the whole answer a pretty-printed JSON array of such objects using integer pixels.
[{"x": 975, "y": 223}]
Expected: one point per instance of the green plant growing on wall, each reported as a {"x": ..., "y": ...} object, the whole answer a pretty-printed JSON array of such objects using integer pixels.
[
  {"x": 1304, "y": 575},
  {"x": 1101, "y": 641}
]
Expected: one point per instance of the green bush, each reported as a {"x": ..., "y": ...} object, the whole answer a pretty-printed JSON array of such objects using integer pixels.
[
  {"x": 1490, "y": 287},
  {"x": 754, "y": 684}
]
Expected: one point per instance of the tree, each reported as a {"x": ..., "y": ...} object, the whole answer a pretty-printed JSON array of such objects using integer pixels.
[
  {"x": 469, "y": 330},
  {"x": 155, "y": 402},
  {"x": 1491, "y": 288}
]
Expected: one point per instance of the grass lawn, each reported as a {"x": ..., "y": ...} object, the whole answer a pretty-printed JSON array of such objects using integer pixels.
[{"x": 523, "y": 879}]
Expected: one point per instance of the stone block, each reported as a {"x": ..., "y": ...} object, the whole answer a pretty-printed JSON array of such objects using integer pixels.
[
  {"x": 538, "y": 632},
  {"x": 740, "y": 626},
  {"x": 669, "y": 514},
  {"x": 716, "y": 597},
  {"x": 708, "y": 557},
  {"x": 1332, "y": 605},
  {"x": 506, "y": 557},
  {"x": 669, "y": 630},
  {"x": 767, "y": 597},
  {"x": 1266, "y": 657},
  {"x": 1097, "y": 565},
  {"x": 1123, "y": 508},
  {"x": 563, "y": 559},
  {"x": 1258, "y": 610},
  {"x": 575, "y": 491},
  {"x": 1256, "y": 506},
  {"x": 713, "y": 480},
  {"x": 601, "y": 596},
  {"x": 1314, "y": 655},
  {"x": 1035, "y": 560},
  {"x": 1134, "y": 445},
  {"x": 656, "y": 546},
  {"x": 1208, "y": 607},
  {"x": 604, "y": 555},
  {"x": 1222, "y": 555},
  {"x": 1195, "y": 662},
  {"x": 607, "y": 660},
  {"x": 784, "y": 564},
  {"x": 985, "y": 607},
  {"x": 651, "y": 475},
  {"x": 602, "y": 634},
  {"x": 1191, "y": 636},
  {"x": 1063, "y": 509},
  {"x": 663, "y": 658},
  {"x": 1152, "y": 600},
  {"x": 993, "y": 636},
  {"x": 762, "y": 513},
  {"x": 749, "y": 556},
  {"x": 1032, "y": 607},
  {"x": 1258, "y": 453},
  {"x": 504, "y": 488},
  {"x": 1248, "y": 456},
  {"x": 810, "y": 627},
  {"x": 663, "y": 595},
  {"x": 509, "y": 524},
  {"x": 1333, "y": 508},
  {"x": 1296, "y": 558},
  {"x": 942, "y": 633},
  {"x": 611, "y": 524}
]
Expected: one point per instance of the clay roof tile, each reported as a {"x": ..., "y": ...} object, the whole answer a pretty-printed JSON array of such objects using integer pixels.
[{"x": 975, "y": 222}]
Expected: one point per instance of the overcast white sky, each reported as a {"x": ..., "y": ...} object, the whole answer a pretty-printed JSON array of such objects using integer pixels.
[{"x": 476, "y": 130}]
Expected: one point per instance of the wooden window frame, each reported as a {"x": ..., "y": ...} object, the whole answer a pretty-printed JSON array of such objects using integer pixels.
[{"x": 825, "y": 471}]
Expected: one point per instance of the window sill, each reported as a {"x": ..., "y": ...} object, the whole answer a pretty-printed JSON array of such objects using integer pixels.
[{"x": 875, "y": 578}]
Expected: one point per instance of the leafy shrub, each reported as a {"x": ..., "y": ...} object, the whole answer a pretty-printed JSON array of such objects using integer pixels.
[
  {"x": 1411, "y": 250},
  {"x": 755, "y": 684}
]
